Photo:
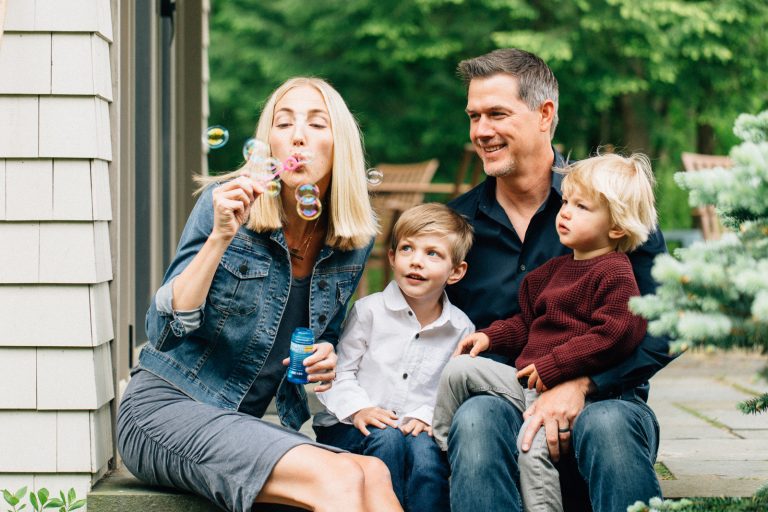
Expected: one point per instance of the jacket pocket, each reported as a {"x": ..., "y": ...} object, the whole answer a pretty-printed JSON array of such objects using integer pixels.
[{"x": 238, "y": 283}]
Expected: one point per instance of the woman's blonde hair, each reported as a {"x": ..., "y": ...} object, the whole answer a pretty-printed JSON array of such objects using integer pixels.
[
  {"x": 625, "y": 185},
  {"x": 352, "y": 222}
]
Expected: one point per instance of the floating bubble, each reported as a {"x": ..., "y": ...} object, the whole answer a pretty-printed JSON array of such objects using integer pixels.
[
  {"x": 309, "y": 211},
  {"x": 304, "y": 156},
  {"x": 291, "y": 164},
  {"x": 307, "y": 190},
  {"x": 273, "y": 166},
  {"x": 273, "y": 188},
  {"x": 216, "y": 136},
  {"x": 255, "y": 150},
  {"x": 374, "y": 176}
]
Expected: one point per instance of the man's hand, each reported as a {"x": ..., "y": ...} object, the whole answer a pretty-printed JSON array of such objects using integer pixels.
[
  {"x": 556, "y": 410},
  {"x": 474, "y": 343},
  {"x": 375, "y": 416},
  {"x": 416, "y": 427},
  {"x": 534, "y": 381}
]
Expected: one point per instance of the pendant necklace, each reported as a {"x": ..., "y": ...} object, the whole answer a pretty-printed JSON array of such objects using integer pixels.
[{"x": 301, "y": 251}]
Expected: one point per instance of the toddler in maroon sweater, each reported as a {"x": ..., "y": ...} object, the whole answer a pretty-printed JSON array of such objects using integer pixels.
[{"x": 573, "y": 321}]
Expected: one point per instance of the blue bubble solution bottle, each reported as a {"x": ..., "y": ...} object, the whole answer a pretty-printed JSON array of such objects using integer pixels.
[{"x": 302, "y": 345}]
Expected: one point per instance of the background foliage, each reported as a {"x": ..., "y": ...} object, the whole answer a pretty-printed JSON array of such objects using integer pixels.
[{"x": 661, "y": 76}]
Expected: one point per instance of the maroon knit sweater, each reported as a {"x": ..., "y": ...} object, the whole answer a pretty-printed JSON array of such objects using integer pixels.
[{"x": 573, "y": 319}]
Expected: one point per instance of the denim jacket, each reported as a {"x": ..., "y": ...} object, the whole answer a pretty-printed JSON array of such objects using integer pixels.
[{"x": 218, "y": 360}]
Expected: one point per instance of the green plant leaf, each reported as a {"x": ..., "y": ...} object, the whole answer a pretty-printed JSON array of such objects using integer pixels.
[
  {"x": 8, "y": 496},
  {"x": 21, "y": 493},
  {"x": 43, "y": 495},
  {"x": 33, "y": 501},
  {"x": 71, "y": 495},
  {"x": 77, "y": 504},
  {"x": 55, "y": 502}
]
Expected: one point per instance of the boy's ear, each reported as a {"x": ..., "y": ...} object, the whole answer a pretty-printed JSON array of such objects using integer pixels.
[
  {"x": 391, "y": 256},
  {"x": 457, "y": 273},
  {"x": 616, "y": 233}
]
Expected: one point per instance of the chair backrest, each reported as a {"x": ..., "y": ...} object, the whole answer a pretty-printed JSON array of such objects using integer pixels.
[
  {"x": 469, "y": 161},
  {"x": 711, "y": 229},
  {"x": 402, "y": 174}
]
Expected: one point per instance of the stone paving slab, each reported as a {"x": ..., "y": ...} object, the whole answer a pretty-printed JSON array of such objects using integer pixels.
[{"x": 710, "y": 447}]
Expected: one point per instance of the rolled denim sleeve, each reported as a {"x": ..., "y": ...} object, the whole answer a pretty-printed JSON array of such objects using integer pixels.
[{"x": 183, "y": 322}]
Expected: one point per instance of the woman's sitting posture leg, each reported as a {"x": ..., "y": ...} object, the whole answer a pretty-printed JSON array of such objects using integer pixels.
[{"x": 317, "y": 479}]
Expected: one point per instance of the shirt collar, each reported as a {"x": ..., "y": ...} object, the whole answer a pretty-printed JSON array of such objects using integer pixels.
[{"x": 395, "y": 301}]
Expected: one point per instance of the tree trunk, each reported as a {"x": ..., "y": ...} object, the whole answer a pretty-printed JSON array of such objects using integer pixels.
[
  {"x": 634, "y": 123},
  {"x": 705, "y": 139}
]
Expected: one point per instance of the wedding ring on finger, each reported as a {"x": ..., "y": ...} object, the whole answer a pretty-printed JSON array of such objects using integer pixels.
[{"x": 564, "y": 430}]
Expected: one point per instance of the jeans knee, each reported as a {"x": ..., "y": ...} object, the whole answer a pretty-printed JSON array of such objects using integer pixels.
[
  {"x": 384, "y": 442},
  {"x": 483, "y": 424}
]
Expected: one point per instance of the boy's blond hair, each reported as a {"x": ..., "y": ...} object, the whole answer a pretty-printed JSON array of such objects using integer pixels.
[
  {"x": 438, "y": 219},
  {"x": 625, "y": 185}
]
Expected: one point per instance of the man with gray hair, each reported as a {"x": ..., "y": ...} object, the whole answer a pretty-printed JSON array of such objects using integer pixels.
[{"x": 598, "y": 428}]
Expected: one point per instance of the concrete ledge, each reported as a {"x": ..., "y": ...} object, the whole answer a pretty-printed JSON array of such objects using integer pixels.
[{"x": 120, "y": 491}]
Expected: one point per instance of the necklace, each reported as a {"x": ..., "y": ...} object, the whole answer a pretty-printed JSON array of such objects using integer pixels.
[{"x": 301, "y": 251}]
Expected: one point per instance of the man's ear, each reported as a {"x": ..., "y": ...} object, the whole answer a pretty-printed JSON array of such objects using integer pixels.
[
  {"x": 547, "y": 110},
  {"x": 457, "y": 273}
]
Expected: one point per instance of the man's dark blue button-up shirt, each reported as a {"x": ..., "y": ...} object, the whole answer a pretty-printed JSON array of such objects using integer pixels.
[{"x": 499, "y": 261}]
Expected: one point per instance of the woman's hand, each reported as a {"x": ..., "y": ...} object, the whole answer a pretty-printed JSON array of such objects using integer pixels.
[
  {"x": 474, "y": 343},
  {"x": 320, "y": 366},
  {"x": 232, "y": 205}
]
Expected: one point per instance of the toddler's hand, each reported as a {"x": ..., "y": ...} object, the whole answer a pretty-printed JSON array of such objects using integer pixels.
[
  {"x": 474, "y": 343},
  {"x": 375, "y": 416},
  {"x": 534, "y": 380}
]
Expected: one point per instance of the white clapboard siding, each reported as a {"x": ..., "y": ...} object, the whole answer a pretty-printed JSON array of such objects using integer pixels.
[
  {"x": 18, "y": 378},
  {"x": 55, "y": 442},
  {"x": 72, "y": 194},
  {"x": 19, "y": 252},
  {"x": 101, "y": 197},
  {"x": 71, "y": 64},
  {"x": 29, "y": 189},
  {"x": 74, "y": 252},
  {"x": 73, "y": 378},
  {"x": 59, "y": 16},
  {"x": 18, "y": 126},
  {"x": 26, "y": 63},
  {"x": 55, "y": 315},
  {"x": 74, "y": 127},
  {"x": 2, "y": 189}
]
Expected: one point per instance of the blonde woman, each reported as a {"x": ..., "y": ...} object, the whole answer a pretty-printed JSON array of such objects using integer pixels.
[{"x": 248, "y": 270}]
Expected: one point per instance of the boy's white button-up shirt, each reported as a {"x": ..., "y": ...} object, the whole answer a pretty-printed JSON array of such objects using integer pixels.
[{"x": 387, "y": 360}]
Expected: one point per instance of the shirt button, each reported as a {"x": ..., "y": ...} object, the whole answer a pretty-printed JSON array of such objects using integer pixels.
[
  {"x": 405, "y": 376},
  {"x": 417, "y": 336},
  {"x": 322, "y": 318},
  {"x": 243, "y": 268},
  {"x": 522, "y": 268},
  {"x": 323, "y": 285},
  {"x": 410, "y": 313}
]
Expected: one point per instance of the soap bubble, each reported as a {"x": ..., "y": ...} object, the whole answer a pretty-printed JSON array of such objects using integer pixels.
[
  {"x": 255, "y": 150},
  {"x": 215, "y": 136},
  {"x": 307, "y": 190},
  {"x": 273, "y": 166},
  {"x": 309, "y": 210},
  {"x": 273, "y": 188},
  {"x": 374, "y": 176}
]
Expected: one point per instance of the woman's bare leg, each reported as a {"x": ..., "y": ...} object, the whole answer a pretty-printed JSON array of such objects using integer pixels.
[{"x": 321, "y": 480}]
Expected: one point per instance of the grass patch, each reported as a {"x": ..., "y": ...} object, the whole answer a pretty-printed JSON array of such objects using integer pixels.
[{"x": 663, "y": 472}]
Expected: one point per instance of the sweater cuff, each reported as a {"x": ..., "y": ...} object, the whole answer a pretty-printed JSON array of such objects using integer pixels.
[
  {"x": 495, "y": 335},
  {"x": 548, "y": 371}
]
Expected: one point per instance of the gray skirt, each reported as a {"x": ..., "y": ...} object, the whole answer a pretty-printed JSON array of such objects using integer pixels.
[{"x": 167, "y": 438}]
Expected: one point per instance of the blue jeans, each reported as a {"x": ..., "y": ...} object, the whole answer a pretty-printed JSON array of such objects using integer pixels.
[
  {"x": 614, "y": 445},
  {"x": 419, "y": 469}
]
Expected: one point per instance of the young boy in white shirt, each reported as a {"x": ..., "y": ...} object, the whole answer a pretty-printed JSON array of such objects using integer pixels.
[{"x": 393, "y": 348}]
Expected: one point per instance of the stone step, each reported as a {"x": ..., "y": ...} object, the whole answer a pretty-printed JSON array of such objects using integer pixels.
[{"x": 120, "y": 491}]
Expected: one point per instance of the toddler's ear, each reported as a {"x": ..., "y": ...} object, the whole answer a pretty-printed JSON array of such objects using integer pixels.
[
  {"x": 616, "y": 233},
  {"x": 457, "y": 273}
]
